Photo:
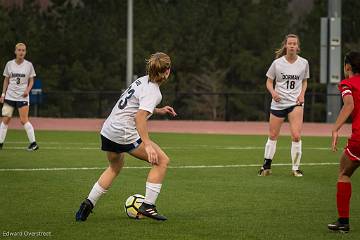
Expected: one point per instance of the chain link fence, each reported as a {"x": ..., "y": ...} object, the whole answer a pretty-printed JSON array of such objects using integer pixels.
[{"x": 228, "y": 106}]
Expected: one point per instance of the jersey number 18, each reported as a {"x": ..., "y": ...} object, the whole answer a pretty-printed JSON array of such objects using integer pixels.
[{"x": 290, "y": 84}]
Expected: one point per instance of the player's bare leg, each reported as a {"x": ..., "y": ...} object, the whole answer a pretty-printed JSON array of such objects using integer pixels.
[
  {"x": 154, "y": 180},
  {"x": 24, "y": 119},
  {"x": 3, "y": 130},
  {"x": 346, "y": 169},
  {"x": 116, "y": 163},
  {"x": 296, "y": 123},
  {"x": 275, "y": 124}
]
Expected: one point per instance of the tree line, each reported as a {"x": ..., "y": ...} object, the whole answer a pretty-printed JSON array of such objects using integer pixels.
[{"x": 216, "y": 47}]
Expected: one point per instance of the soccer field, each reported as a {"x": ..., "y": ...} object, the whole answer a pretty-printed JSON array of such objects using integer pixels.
[{"x": 212, "y": 190}]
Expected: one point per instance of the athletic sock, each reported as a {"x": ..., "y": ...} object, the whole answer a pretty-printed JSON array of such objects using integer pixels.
[
  {"x": 30, "y": 132},
  {"x": 152, "y": 192},
  {"x": 270, "y": 148},
  {"x": 296, "y": 155},
  {"x": 3, "y": 131},
  {"x": 96, "y": 193},
  {"x": 343, "y": 196}
]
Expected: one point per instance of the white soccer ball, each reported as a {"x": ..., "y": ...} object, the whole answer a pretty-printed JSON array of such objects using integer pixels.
[{"x": 132, "y": 205}]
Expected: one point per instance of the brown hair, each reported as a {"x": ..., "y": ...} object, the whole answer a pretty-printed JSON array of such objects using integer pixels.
[
  {"x": 353, "y": 58},
  {"x": 156, "y": 67},
  {"x": 282, "y": 50},
  {"x": 20, "y": 44}
]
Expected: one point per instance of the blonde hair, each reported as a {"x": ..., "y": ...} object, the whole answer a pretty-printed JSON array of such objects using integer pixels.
[
  {"x": 20, "y": 44},
  {"x": 282, "y": 50},
  {"x": 156, "y": 67}
]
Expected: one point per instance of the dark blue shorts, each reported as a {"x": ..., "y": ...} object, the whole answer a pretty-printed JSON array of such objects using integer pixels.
[
  {"x": 16, "y": 104},
  {"x": 110, "y": 146},
  {"x": 284, "y": 112}
]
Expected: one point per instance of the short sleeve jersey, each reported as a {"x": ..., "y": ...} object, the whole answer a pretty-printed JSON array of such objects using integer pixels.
[
  {"x": 19, "y": 75},
  {"x": 351, "y": 86},
  {"x": 120, "y": 126},
  {"x": 288, "y": 79}
]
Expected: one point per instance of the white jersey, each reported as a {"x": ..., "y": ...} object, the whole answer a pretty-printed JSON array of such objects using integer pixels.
[
  {"x": 120, "y": 126},
  {"x": 19, "y": 75},
  {"x": 289, "y": 78}
]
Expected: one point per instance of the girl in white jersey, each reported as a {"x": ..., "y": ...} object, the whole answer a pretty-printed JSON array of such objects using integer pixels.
[
  {"x": 290, "y": 73},
  {"x": 19, "y": 78},
  {"x": 125, "y": 130}
]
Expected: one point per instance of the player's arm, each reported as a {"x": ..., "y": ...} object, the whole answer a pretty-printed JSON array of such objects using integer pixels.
[
  {"x": 141, "y": 126},
  {"x": 301, "y": 98},
  {"x": 165, "y": 110},
  {"x": 29, "y": 87},
  {"x": 5, "y": 86},
  {"x": 345, "y": 112},
  {"x": 270, "y": 88}
]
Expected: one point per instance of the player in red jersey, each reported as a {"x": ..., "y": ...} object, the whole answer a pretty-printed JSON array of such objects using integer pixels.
[{"x": 350, "y": 159}]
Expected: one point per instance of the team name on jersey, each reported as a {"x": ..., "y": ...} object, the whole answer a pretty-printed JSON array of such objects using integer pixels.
[
  {"x": 290, "y": 77},
  {"x": 13, "y": 75}
]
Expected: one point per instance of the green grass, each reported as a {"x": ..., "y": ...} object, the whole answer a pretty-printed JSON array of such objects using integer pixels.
[{"x": 203, "y": 203}]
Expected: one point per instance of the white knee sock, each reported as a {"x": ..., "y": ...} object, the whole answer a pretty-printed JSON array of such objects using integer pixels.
[
  {"x": 152, "y": 192},
  {"x": 30, "y": 132},
  {"x": 3, "y": 131},
  {"x": 96, "y": 193},
  {"x": 270, "y": 148},
  {"x": 296, "y": 155}
]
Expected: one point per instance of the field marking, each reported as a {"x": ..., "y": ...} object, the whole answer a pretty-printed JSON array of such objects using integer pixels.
[
  {"x": 172, "y": 167},
  {"x": 194, "y": 147}
]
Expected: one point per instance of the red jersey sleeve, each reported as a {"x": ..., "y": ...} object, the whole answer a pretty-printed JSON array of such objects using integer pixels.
[{"x": 345, "y": 88}]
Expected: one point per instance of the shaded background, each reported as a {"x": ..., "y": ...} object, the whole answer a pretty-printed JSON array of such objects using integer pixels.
[{"x": 220, "y": 50}]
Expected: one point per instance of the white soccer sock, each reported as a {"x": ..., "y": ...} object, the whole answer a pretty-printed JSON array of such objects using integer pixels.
[
  {"x": 30, "y": 132},
  {"x": 270, "y": 148},
  {"x": 152, "y": 192},
  {"x": 96, "y": 193},
  {"x": 296, "y": 155},
  {"x": 3, "y": 131}
]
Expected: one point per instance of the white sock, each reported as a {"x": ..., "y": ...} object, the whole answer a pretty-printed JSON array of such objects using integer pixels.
[
  {"x": 30, "y": 132},
  {"x": 96, "y": 193},
  {"x": 296, "y": 155},
  {"x": 152, "y": 192},
  {"x": 3, "y": 131},
  {"x": 270, "y": 148}
]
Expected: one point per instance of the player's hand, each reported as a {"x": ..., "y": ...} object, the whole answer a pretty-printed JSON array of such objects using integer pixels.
[
  {"x": 152, "y": 154},
  {"x": 335, "y": 136},
  {"x": 166, "y": 110},
  {"x": 2, "y": 99},
  {"x": 300, "y": 100},
  {"x": 276, "y": 96},
  {"x": 26, "y": 93}
]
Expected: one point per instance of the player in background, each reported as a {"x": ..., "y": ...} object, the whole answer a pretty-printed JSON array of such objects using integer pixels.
[
  {"x": 19, "y": 78},
  {"x": 350, "y": 159},
  {"x": 125, "y": 131},
  {"x": 290, "y": 73}
]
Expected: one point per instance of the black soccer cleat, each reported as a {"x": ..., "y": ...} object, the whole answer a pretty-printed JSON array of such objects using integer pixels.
[
  {"x": 1, "y": 145},
  {"x": 264, "y": 172},
  {"x": 297, "y": 173},
  {"x": 339, "y": 227},
  {"x": 150, "y": 211},
  {"x": 33, "y": 147},
  {"x": 85, "y": 209}
]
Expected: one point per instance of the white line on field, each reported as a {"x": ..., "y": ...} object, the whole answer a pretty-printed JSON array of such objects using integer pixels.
[
  {"x": 147, "y": 167},
  {"x": 194, "y": 147}
]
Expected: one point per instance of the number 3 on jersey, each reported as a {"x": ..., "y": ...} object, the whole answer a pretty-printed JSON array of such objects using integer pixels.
[
  {"x": 290, "y": 84},
  {"x": 124, "y": 98}
]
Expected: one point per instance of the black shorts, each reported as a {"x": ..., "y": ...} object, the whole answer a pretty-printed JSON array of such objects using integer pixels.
[
  {"x": 110, "y": 146},
  {"x": 16, "y": 104},
  {"x": 284, "y": 112}
]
